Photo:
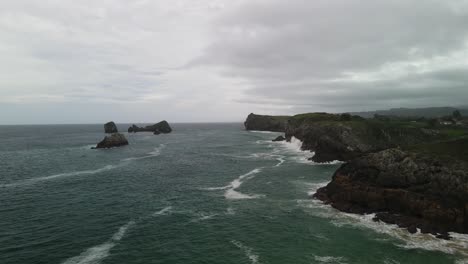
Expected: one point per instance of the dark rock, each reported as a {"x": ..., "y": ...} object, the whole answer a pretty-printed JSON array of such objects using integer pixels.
[
  {"x": 161, "y": 127},
  {"x": 110, "y": 128},
  {"x": 412, "y": 229},
  {"x": 113, "y": 140},
  {"x": 266, "y": 123},
  {"x": 408, "y": 189},
  {"x": 279, "y": 138}
]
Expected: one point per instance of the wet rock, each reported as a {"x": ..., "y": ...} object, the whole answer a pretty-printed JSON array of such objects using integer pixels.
[{"x": 279, "y": 138}]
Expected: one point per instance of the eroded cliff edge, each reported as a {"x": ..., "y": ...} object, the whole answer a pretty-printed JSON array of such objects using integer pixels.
[{"x": 412, "y": 188}]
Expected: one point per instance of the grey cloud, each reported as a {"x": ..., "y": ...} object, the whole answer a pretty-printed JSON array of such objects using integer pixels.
[{"x": 274, "y": 45}]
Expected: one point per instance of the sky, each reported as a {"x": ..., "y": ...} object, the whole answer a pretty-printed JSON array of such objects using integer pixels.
[{"x": 87, "y": 61}]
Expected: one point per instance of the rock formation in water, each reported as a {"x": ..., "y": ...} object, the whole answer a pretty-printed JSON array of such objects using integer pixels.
[
  {"x": 266, "y": 123},
  {"x": 161, "y": 127},
  {"x": 412, "y": 190},
  {"x": 114, "y": 140},
  {"x": 279, "y": 138},
  {"x": 110, "y": 127}
]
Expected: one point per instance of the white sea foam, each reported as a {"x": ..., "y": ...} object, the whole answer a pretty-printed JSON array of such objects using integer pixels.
[
  {"x": 60, "y": 175},
  {"x": 203, "y": 217},
  {"x": 249, "y": 252},
  {"x": 156, "y": 152},
  {"x": 96, "y": 254},
  {"x": 457, "y": 245},
  {"x": 164, "y": 211},
  {"x": 330, "y": 259},
  {"x": 263, "y": 132},
  {"x": 232, "y": 193},
  {"x": 281, "y": 161}
]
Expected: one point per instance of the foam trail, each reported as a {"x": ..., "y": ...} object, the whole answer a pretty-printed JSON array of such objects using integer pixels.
[
  {"x": 96, "y": 254},
  {"x": 263, "y": 132},
  {"x": 60, "y": 175},
  {"x": 249, "y": 253},
  {"x": 156, "y": 152},
  {"x": 330, "y": 259},
  {"x": 281, "y": 161},
  {"x": 163, "y": 211},
  {"x": 231, "y": 192}
]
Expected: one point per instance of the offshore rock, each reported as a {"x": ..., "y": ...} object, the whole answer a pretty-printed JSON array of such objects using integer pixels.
[
  {"x": 158, "y": 128},
  {"x": 110, "y": 127},
  {"x": 404, "y": 188},
  {"x": 114, "y": 140},
  {"x": 279, "y": 138}
]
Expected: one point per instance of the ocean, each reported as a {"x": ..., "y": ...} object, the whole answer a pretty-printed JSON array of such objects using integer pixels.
[{"x": 206, "y": 193}]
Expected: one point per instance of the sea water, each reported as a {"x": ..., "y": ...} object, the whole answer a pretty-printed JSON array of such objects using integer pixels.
[{"x": 206, "y": 193}]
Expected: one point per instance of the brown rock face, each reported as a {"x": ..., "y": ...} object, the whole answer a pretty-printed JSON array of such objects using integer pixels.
[{"x": 405, "y": 189}]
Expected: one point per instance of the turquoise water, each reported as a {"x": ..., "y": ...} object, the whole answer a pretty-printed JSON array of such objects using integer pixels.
[{"x": 207, "y": 193}]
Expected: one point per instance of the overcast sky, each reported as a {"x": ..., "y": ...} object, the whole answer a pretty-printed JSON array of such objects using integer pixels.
[{"x": 88, "y": 61}]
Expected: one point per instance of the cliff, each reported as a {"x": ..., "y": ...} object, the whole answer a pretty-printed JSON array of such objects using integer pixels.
[
  {"x": 409, "y": 187},
  {"x": 342, "y": 136},
  {"x": 266, "y": 123}
]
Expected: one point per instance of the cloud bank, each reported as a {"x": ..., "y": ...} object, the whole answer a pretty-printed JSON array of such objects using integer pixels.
[{"x": 218, "y": 60}]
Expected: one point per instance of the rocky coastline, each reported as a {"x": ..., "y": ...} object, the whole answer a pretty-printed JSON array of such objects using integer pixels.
[{"x": 423, "y": 187}]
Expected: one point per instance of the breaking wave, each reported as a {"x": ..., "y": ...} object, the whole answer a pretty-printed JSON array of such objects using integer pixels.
[{"x": 96, "y": 254}]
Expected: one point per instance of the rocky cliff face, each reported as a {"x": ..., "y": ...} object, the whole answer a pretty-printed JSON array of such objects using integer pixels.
[
  {"x": 266, "y": 123},
  {"x": 158, "y": 128},
  {"x": 345, "y": 140},
  {"x": 411, "y": 190}
]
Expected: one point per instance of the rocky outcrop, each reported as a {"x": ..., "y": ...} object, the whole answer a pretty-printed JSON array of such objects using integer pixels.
[
  {"x": 110, "y": 128},
  {"x": 279, "y": 138},
  {"x": 114, "y": 140},
  {"x": 409, "y": 189},
  {"x": 266, "y": 123},
  {"x": 158, "y": 128}
]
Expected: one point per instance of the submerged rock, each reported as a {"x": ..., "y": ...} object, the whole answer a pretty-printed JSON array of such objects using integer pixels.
[
  {"x": 114, "y": 140},
  {"x": 279, "y": 138},
  {"x": 158, "y": 128},
  {"x": 110, "y": 128}
]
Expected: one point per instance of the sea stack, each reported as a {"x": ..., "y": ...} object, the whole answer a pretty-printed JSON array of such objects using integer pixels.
[
  {"x": 114, "y": 140},
  {"x": 110, "y": 128},
  {"x": 162, "y": 127}
]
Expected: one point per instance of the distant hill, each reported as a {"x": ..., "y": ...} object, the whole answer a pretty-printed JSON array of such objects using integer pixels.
[{"x": 415, "y": 112}]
